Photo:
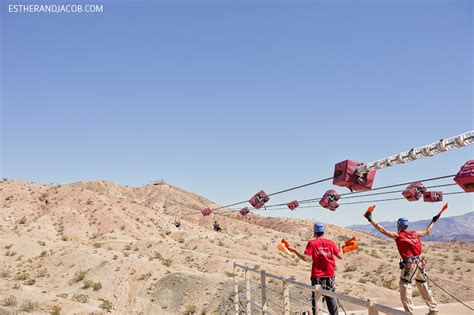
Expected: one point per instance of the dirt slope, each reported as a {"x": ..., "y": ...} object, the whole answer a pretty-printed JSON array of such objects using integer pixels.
[{"x": 97, "y": 246}]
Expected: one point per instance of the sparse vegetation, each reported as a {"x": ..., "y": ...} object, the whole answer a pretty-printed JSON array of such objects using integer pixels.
[
  {"x": 9, "y": 301},
  {"x": 28, "y": 306},
  {"x": 106, "y": 305},
  {"x": 55, "y": 310},
  {"x": 167, "y": 262},
  {"x": 191, "y": 309},
  {"x": 79, "y": 276},
  {"x": 81, "y": 298}
]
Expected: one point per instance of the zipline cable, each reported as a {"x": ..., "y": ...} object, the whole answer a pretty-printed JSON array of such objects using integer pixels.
[
  {"x": 278, "y": 192},
  {"x": 358, "y": 202},
  {"x": 306, "y": 201},
  {"x": 384, "y": 187}
]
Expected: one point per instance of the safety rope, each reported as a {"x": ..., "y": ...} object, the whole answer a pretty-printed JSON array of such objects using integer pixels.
[{"x": 442, "y": 289}]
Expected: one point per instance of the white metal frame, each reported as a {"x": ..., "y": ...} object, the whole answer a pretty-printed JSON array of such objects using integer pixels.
[
  {"x": 371, "y": 305},
  {"x": 440, "y": 146}
]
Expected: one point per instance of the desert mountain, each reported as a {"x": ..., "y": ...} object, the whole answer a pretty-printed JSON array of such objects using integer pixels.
[
  {"x": 92, "y": 247},
  {"x": 455, "y": 228}
]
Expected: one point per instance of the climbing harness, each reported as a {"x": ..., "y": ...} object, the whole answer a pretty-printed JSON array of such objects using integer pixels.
[
  {"x": 329, "y": 200},
  {"x": 414, "y": 191}
]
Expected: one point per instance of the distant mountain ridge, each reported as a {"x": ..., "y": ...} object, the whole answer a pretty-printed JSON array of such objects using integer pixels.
[{"x": 455, "y": 228}]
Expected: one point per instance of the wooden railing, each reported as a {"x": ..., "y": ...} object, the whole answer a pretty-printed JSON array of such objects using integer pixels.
[{"x": 246, "y": 306}]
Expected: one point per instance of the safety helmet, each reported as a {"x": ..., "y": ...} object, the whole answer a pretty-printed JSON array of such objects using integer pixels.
[
  {"x": 318, "y": 228},
  {"x": 402, "y": 222}
]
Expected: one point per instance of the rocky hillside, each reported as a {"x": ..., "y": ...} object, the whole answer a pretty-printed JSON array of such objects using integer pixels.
[
  {"x": 455, "y": 228},
  {"x": 92, "y": 247}
]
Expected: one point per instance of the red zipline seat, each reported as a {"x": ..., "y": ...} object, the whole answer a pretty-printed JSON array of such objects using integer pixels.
[
  {"x": 293, "y": 204},
  {"x": 206, "y": 211},
  {"x": 465, "y": 177},
  {"x": 345, "y": 176},
  {"x": 329, "y": 200},
  {"x": 259, "y": 199},
  {"x": 433, "y": 196},
  {"x": 414, "y": 191},
  {"x": 244, "y": 211}
]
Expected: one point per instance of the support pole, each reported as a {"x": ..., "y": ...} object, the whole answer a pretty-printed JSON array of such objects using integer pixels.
[
  {"x": 247, "y": 291},
  {"x": 236, "y": 291},
  {"x": 263, "y": 281},
  {"x": 372, "y": 309},
  {"x": 286, "y": 298}
]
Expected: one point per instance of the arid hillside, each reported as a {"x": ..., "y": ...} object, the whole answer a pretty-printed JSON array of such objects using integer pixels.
[{"x": 93, "y": 247}]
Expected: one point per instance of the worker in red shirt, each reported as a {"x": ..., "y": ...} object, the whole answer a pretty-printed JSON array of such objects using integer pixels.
[
  {"x": 412, "y": 265},
  {"x": 322, "y": 251}
]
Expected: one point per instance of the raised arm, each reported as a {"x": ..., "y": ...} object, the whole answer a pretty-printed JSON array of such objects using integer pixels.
[
  {"x": 428, "y": 230},
  {"x": 381, "y": 229}
]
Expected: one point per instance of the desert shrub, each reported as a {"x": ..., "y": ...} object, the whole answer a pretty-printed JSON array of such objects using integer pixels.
[
  {"x": 97, "y": 245},
  {"x": 145, "y": 276},
  {"x": 350, "y": 268},
  {"x": 229, "y": 274},
  {"x": 29, "y": 306},
  {"x": 4, "y": 273},
  {"x": 44, "y": 253},
  {"x": 79, "y": 276},
  {"x": 362, "y": 280},
  {"x": 8, "y": 246},
  {"x": 42, "y": 273},
  {"x": 106, "y": 305},
  {"x": 22, "y": 276},
  {"x": 191, "y": 309},
  {"x": 42, "y": 243},
  {"x": 87, "y": 284},
  {"x": 9, "y": 301},
  {"x": 181, "y": 240},
  {"x": 81, "y": 298},
  {"x": 167, "y": 262},
  {"x": 457, "y": 258},
  {"x": 97, "y": 286},
  {"x": 10, "y": 253},
  {"x": 470, "y": 260},
  {"x": 22, "y": 220},
  {"x": 157, "y": 255},
  {"x": 416, "y": 293},
  {"x": 29, "y": 282},
  {"x": 55, "y": 310}
]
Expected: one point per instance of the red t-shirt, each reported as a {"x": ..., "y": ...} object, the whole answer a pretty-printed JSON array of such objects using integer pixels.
[
  {"x": 408, "y": 244},
  {"x": 322, "y": 251}
]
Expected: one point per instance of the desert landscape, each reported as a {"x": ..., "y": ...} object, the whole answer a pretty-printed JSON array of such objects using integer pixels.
[{"x": 98, "y": 247}]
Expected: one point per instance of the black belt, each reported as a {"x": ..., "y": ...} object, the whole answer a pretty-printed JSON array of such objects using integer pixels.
[{"x": 410, "y": 260}]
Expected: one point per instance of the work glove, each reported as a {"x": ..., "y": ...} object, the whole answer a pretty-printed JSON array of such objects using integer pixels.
[
  {"x": 368, "y": 216},
  {"x": 435, "y": 218}
]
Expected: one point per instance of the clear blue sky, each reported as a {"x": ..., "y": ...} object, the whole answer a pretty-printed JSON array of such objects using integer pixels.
[{"x": 225, "y": 98}]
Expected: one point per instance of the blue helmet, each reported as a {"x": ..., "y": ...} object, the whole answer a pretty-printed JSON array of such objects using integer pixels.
[
  {"x": 402, "y": 222},
  {"x": 318, "y": 228}
]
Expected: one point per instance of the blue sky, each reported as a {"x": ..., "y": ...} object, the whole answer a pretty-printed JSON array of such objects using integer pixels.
[{"x": 225, "y": 98}]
